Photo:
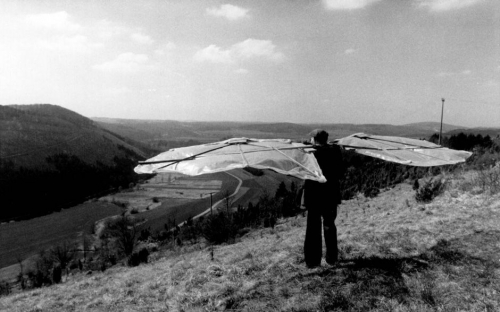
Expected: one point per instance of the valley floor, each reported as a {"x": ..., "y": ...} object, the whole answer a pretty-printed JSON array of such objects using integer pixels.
[{"x": 395, "y": 255}]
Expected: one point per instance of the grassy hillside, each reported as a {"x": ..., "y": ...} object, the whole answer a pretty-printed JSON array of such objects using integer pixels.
[{"x": 395, "y": 255}]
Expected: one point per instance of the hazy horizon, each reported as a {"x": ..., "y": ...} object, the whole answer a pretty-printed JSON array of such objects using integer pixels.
[
  {"x": 305, "y": 62},
  {"x": 273, "y": 122}
]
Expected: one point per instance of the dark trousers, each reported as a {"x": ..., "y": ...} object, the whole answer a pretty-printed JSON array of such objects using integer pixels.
[{"x": 313, "y": 242}]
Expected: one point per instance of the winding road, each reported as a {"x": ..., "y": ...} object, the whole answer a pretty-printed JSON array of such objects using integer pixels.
[{"x": 215, "y": 206}]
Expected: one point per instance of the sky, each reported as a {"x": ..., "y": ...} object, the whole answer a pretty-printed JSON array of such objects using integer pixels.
[{"x": 300, "y": 61}]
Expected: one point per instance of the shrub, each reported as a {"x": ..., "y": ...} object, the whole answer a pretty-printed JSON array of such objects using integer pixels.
[
  {"x": 123, "y": 231},
  {"x": 62, "y": 254},
  {"x": 488, "y": 179},
  {"x": 137, "y": 258},
  {"x": 371, "y": 192},
  {"x": 145, "y": 234},
  {"x": 429, "y": 190},
  {"x": 4, "y": 288},
  {"x": 57, "y": 274},
  {"x": 219, "y": 228}
]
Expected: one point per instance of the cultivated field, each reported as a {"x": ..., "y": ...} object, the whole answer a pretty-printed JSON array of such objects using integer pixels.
[
  {"x": 25, "y": 238},
  {"x": 395, "y": 255},
  {"x": 251, "y": 189},
  {"x": 167, "y": 190}
]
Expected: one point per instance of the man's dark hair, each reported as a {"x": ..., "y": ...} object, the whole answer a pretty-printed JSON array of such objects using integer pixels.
[{"x": 320, "y": 136}]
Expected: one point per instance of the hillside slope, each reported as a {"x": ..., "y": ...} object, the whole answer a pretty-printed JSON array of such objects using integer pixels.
[
  {"x": 395, "y": 255},
  {"x": 30, "y": 133}
]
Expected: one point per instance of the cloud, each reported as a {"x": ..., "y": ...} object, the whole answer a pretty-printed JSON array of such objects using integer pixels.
[
  {"x": 77, "y": 43},
  {"x": 241, "y": 71},
  {"x": 125, "y": 63},
  {"x": 106, "y": 29},
  {"x": 350, "y": 51},
  {"x": 117, "y": 91},
  {"x": 446, "y": 5},
  {"x": 445, "y": 74},
  {"x": 228, "y": 11},
  {"x": 250, "y": 48},
  {"x": 490, "y": 89},
  {"x": 57, "y": 32},
  {"x": 214, "y": 54},
  {"x": 141, "y": 39},
  {"x": 59, "y": 21},
  {"x": 347, "y": 4},
  {"x": 257, "y": 48},
  {"x": 454, "y": 74},
  {"x": 165, "y": 49}
]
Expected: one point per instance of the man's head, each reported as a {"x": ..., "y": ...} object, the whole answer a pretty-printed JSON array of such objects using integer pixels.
[{"x": 320, "y": 136}]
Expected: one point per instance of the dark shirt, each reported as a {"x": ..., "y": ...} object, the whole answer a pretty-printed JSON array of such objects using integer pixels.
[{"x": 329, "y": 158}]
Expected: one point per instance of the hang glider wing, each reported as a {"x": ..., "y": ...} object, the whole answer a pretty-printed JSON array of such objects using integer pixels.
[
  {"x": 282, "y": 156},
  {"x": 400, "y": 150}
]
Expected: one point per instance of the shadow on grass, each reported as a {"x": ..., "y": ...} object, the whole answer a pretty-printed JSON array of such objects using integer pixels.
[
  {"x": 359, "y": 284},
  {"x": 370, "y": 282},
  {"x": 379, "y": 283}
]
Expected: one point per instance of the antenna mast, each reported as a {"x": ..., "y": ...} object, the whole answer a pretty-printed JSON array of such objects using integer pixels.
[{"x": 441, "y": 129}]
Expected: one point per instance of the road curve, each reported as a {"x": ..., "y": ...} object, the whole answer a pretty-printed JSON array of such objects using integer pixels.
[{"x": 214, "y": 206}]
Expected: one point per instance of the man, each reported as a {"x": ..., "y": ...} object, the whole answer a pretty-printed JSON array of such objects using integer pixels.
[{"x": 321, "y": 200}]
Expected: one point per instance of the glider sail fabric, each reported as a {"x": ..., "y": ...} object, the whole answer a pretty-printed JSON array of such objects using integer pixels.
[
  {"x": 282, "y": 156},
  {"x": 400, "y": 150}
]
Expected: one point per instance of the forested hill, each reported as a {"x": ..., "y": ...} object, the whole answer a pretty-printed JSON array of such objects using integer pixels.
[
  {"x": 31, "y": 133},
  {"x": 53, "y": 158}
]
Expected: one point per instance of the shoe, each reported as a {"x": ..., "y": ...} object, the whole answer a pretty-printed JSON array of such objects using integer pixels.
[
  {"x": 312, "y": 266},
  {"x": 331, "y": 262}
]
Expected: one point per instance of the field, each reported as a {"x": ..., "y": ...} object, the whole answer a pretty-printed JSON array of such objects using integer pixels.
[
  {"x": 395, "y": 255},
  {"x": 167, "y": 190},
  {"x": 185, "y": 197},
  {"x": 25, "y": 238},
  {"x": 251, "y": 188}
]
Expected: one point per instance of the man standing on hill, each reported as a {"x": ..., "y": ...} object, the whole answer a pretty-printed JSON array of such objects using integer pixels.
[{"x": 321, "y": 200}]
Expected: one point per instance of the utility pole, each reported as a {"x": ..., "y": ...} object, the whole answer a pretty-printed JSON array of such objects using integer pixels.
[
  {"x": 211, "y": 212},
  {"x": 441, "y": 129}
]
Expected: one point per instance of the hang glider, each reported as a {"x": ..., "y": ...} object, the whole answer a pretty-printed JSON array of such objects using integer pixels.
[
  {"x": 282, "y": 156},
  {"x": 294, "y": 159},
  {"x": 404, "y": 151}
]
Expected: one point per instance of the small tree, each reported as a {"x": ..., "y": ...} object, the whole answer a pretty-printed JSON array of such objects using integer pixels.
[
  {"x": 229, "y": 200},
  {"x": 62, "y": 255},
  {"x": 123, "y": 230},
  {"x": 20, "y": 277}
]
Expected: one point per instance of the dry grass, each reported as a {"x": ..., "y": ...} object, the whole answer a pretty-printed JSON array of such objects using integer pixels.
[{"x": 396, "y": 255}]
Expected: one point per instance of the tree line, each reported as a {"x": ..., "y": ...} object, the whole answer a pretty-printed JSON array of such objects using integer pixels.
[{"x": 32, "y": 192}]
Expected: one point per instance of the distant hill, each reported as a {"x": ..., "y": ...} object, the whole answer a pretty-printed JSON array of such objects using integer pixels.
[
  {"x": 167, "y": 133},
  {"x": 30, "y": 133},
  {"x": 435, "y": 126}
]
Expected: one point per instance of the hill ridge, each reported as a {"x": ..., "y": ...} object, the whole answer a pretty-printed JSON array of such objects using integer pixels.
[{"x": 33, "y": 132}]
